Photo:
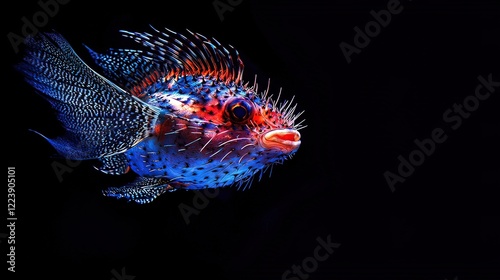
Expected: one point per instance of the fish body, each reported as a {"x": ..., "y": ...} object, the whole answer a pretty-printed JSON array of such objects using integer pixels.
[{"x": 175, "y": 111}]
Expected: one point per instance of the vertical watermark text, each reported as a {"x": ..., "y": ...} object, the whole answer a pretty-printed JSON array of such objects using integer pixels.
[{"x": 11, "y": 218}]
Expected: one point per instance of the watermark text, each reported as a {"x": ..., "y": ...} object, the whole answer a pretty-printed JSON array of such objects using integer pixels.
[
  {"x": 200, "y": 202},
  {"x": 363, "y": 37},
  {"x": 48, "y": 9},
  {"x": 453, "y": 116},
  {"x": 311, "y": 264},
  {"x": 222, "y": 6},
  {"x": 11, "y": 218}
]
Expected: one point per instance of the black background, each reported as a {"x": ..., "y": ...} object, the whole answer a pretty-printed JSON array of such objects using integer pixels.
[{"x": 441, "y": 223}]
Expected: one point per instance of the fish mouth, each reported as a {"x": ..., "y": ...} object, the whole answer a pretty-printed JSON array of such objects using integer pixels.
[{"x": 285, "y": 140}]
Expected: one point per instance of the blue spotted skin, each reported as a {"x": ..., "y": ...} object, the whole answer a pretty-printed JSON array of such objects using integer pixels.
[
  {"x": 198, "y": 152},
  {"x": 175, "y": 112}
]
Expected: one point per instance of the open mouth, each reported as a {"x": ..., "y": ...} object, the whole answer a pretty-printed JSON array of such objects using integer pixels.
[{"x": 286, "y": 140}]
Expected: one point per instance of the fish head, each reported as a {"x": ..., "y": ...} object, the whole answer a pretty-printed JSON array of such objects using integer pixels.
[
  {"x": 238, "y": 132},
  {"x": 272, "y": 130}
]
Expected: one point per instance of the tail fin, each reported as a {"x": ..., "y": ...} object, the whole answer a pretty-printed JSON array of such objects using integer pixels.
[{"x": 100, "y": 118}]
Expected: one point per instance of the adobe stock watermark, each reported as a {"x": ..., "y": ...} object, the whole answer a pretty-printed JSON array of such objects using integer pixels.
[
  {"x": 121, "y": 276},
  {"x": 222, "y": 6},
  {"x": 372, "y": 29},
  {"x": 68, "y": 166},
  {"x": 453, "y": 116},
  {"x": 61, "y": 168},
  {"x": 12, "y": 218},
  {"x": 200, "y": 202},
  {"x": 310, "y": 264},
  {"x": 48, "y": 9}
]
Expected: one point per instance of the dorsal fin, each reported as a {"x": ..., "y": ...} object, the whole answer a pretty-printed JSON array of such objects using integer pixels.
[
  {"x": 168, "y": 54},
  {"x": 125, "y": 67}
]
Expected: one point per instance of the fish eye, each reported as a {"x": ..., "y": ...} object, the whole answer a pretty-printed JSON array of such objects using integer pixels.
[{"x": 239, "y": 110}]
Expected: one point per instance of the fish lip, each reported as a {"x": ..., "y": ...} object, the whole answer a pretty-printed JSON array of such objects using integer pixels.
[{"x": 285, "y": 140}]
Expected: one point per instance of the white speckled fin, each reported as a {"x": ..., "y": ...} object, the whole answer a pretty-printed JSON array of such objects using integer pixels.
[
  {"x": 100, "y": 118},
  {"x": 142, "y": 190},
  {"x": 114, "y": 165}
]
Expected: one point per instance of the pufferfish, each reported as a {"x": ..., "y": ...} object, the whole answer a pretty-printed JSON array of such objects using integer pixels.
[{"x": 175, "y": 111}]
